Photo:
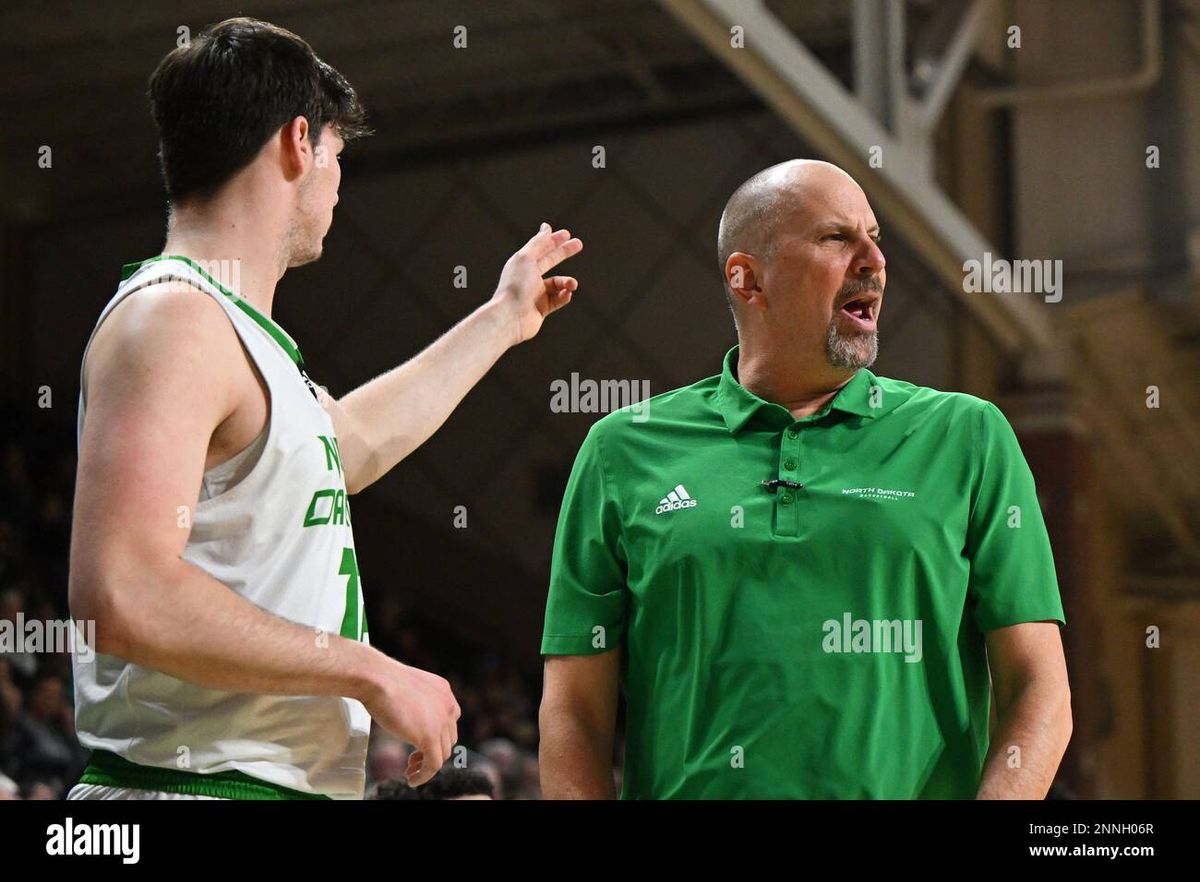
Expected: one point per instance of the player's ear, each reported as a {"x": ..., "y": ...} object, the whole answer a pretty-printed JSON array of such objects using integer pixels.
[{"x": 296, "y": 150}]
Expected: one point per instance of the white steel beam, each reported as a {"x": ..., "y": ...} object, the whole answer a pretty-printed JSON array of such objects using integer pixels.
[{"x": 791, "y": 80}]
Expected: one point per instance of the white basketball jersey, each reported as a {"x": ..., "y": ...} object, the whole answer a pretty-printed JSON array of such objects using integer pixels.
[{"x": 273, "y": 525}]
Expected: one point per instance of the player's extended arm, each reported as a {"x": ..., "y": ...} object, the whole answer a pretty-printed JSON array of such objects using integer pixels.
[
  {"x": 577, "y": 719},
  {"x": 1033, "y": 710},
  {"x": 386, "y": 419},
  {"x": 162, "y": 375}
]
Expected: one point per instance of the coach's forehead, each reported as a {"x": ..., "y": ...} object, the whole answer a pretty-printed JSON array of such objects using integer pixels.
[{"x": 810, "y": 191}]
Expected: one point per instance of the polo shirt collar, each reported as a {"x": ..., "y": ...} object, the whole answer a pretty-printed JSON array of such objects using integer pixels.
[{"x": 738, "y": 404}]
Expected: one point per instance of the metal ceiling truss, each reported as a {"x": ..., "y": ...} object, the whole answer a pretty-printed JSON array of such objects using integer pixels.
[{"x": 887, "y": 120}]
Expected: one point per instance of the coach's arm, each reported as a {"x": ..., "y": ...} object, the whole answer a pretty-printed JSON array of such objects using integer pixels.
[
  {"x": 1033, "y": 710},
  {"x": 577, "y": 720},
  {"x": 386, "y": 419},
  {"x": 164, "y": 371}
]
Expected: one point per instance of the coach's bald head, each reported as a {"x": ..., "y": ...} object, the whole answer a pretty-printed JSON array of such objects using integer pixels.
[
  {"x": 796, "y": 243},
  {"x": 752, "y": 213}
]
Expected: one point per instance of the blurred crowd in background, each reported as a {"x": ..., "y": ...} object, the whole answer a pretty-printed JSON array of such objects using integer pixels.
[{"x": 40, "y": 757}]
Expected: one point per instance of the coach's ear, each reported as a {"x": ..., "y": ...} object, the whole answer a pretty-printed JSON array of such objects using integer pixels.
[{"x": 743, "y": 278}]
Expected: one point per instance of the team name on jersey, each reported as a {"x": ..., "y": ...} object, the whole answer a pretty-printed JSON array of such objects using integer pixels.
[{"x": 329, "y": 505}]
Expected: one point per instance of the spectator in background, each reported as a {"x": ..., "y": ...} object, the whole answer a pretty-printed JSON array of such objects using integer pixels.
[
  {"x": 507, "y": 758},
  {"x": 387, "y": 757},
  {"x": 12, "y": 702},
  {"x": 449, "y": 783},
  {"x": 487, "y": 768},
  {"x": 530, "y": 784},
  {"x": 16, "y": 487},
  {"x": 8, "y": 788},
  {"x": 387, "y": 760},
  {"x": 24, "y": 664},
  {"x": 43, "y": 742},
  {"x": 10, "y": 549}
]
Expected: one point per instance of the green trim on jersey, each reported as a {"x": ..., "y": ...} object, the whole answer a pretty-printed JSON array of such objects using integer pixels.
[
  {"x": 282, "y": 337},
  {"x": 109, "y": 770}
]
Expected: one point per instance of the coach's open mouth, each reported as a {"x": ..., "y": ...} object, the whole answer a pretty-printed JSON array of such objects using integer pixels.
[
  {"x": 861, "y": 311},
  {"x": 862, "y": 308}
]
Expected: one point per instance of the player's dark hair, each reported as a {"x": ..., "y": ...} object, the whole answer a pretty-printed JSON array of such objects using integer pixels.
[
  {"x": 448, "y": 783},
  {"x": 221, "y": 97}
]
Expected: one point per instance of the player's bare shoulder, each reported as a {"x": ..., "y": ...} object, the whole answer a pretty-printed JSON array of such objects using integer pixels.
[
  {"x": 160, "y": 327},
  {"x": 172, "y": 345}
]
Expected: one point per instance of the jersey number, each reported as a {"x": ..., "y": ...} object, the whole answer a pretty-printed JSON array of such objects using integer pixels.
[{"x": 350, "y": 621}]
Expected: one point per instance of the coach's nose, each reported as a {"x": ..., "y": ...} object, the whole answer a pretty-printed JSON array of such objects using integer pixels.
[{"x": 870, "y": 260}]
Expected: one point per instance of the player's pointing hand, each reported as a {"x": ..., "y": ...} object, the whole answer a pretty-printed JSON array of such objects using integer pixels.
[{"x": 524, "y": 292}]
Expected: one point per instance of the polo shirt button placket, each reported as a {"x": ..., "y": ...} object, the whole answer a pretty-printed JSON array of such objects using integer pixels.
[{"x": 787, "y": 512}]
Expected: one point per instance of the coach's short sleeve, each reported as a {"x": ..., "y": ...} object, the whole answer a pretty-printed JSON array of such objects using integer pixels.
[
  {"x": 585, "y": 610},
  {"x": 1012, "y": 579}
]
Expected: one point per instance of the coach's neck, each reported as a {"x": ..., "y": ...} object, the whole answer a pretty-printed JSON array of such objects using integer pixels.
[{"x": 784, "y": 371}]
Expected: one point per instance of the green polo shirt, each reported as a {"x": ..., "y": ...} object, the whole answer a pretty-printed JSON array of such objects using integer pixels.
[{"x": 821, "y": 641}]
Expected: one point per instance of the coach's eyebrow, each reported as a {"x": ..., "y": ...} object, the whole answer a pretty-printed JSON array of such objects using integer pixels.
[{"x": 846, "y": 227}]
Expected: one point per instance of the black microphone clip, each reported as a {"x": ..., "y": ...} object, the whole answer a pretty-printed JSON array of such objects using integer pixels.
[{"x": 775, "y": 483}]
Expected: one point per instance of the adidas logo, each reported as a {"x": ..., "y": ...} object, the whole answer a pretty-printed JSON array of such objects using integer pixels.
[{"x": 675, "y": 500}]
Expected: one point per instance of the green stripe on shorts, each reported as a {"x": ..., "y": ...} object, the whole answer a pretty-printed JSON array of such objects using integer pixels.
[{"x": 109, "y": 770}]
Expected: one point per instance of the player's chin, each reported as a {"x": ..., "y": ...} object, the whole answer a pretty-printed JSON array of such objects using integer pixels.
[{"x": 309, "y": 255}]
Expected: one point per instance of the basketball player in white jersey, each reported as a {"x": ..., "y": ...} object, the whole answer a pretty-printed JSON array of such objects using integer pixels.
[{"x": 212, "y": 541}]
